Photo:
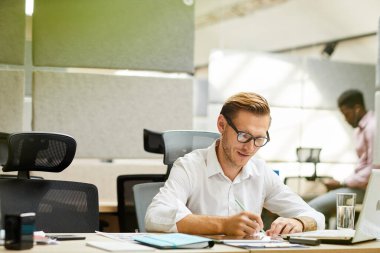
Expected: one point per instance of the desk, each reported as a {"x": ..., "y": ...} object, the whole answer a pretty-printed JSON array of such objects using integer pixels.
[
  {"x": 365, "y": 247},
  {"x": 80, "y": 246},
  {"x": 108, "y": 207}
]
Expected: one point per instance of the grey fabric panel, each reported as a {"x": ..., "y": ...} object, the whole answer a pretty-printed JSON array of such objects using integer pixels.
[
  {"x": 12, "y": 31},
  {"x": 107, "y": 114},
  {"x": 133, "y": 34},
  {"x": 11, "y": 100},
  {"x": 288, "y": 81}
]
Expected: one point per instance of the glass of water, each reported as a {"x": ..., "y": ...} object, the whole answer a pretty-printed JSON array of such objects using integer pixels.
[{"x": 345, "y": 210}]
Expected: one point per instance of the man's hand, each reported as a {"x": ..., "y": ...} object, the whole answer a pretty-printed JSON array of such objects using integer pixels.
[
  {"x": 244, "y": 223},
  {"x": 285, "y": 226},
  {"x": 331, "y": 184}
]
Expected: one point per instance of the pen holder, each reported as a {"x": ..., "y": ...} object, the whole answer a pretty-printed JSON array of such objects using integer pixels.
[{"x": 19, "y": 231}]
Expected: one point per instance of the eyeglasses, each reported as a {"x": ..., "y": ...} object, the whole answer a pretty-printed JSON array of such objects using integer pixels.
[{"x": 244, "y": 137}]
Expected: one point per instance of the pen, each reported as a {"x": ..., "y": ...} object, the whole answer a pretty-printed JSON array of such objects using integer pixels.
[{"x": 244, "y": 209}]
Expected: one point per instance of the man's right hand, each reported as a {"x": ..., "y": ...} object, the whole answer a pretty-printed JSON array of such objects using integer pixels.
[{"x": 244, "y": 223}]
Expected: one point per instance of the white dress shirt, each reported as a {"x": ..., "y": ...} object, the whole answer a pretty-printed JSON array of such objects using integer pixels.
[{"x": 197, "y": 185}]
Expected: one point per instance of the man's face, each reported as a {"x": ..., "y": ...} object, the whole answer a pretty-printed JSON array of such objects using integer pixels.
[
  {"x": 351, "y": 114},
  {"x": 235, "y": 153}
]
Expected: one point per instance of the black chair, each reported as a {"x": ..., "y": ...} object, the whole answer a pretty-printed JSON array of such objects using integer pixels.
[
  {"x": 60, "y": 206},
  {"x": 159, "y": 143},
  {"x": 153, "y": 143},
  {"x": 125, "y": 199},
  {"x": 3, "y": 147}
]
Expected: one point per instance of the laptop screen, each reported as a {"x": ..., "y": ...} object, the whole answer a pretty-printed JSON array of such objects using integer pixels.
[{"x": 369, "y": 220}]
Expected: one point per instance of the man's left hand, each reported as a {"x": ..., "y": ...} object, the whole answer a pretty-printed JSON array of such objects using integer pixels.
[
  {"x": 285, "y": 226},
  {"x": 332, "y": 184}
]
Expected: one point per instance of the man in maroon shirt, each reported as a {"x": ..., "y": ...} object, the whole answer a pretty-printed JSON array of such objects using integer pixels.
[{"x": 351, "y": 104}]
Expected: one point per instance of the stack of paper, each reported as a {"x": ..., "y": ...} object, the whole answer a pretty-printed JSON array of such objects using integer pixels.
[{"x": 120, "y": 246}]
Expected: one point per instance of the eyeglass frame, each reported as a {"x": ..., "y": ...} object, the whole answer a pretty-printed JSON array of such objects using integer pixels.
[{"x": 238, "y": 132}]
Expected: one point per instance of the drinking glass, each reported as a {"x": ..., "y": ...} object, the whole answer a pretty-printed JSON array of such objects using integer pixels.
[{"x": 345, "y": 210}]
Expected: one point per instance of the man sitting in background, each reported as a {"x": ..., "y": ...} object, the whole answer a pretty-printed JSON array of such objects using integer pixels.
[{"x": 351, "y": 104}]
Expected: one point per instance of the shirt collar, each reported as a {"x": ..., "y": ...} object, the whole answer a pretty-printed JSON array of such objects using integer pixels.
[
  {"x": 213, "y": 165},
  {"x": 364, "y": 121}
]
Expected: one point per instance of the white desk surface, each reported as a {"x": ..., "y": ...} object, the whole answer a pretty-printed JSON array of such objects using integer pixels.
[{"x": 80, "y": 246}]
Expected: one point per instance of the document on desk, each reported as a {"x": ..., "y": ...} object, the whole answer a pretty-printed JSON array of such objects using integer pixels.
[
  {"x": 258, "y": 241},
  {"x": 120, "y": 246},
  {"x": 122, "y": 237}
]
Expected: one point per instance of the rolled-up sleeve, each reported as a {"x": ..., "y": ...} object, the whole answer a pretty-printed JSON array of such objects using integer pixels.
[
  {"x": 169, "y": 205},
  {"x": 284, "y": 202}
]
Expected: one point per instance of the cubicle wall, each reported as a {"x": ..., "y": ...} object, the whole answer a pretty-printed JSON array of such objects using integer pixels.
[
  {"x": 107, "y": 114},
  {"x": 12, "y": 31},
  {"x": 101, "y": 71},
  {"x": 11, "y": 100},
  {"x": 133, "y": 34}
]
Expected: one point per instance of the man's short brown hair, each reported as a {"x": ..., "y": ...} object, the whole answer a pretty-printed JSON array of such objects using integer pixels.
[{"x": 248, "y": 101}]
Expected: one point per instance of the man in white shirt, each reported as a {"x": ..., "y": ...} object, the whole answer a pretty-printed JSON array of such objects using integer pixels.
[{"x": 223, "y": 188}]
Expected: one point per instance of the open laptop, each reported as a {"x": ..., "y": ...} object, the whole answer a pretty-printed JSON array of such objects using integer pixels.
[{"x": 368, "y": 226}]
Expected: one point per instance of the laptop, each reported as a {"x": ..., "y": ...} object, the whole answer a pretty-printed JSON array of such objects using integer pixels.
[{"x": 368, "y": 225}]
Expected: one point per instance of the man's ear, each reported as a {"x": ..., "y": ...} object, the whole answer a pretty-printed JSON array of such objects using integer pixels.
[{"x": 221, "y": 123}]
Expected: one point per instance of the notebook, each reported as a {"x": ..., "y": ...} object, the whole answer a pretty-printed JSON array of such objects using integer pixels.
[
  {"x": 368, "y": 226},
  {"x": 175, "y": 241}
]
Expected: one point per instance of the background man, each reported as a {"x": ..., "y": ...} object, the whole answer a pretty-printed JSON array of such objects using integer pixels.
[
  {"x": 223, "y": 188},
  {"x": 351, "y": 104}
]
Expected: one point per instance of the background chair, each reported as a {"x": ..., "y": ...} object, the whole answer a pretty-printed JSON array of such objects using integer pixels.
[
  {"x": 178, "y": 143},
  {"x": 125, "y": 200},
  {"x": 308, "y": 187},
  {"x": 60, "y": 206},
  {"x": 153, "y": 143},
  {"x": 144, "y": 194},
  {"x": 173, "y": 144}
]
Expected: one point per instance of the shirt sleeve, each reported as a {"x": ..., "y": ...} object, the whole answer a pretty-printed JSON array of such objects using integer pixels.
[
  {"x": 359, "y": 178},
  {"x": 284, "y": 202},
  {"x": 169, "y": 205}
]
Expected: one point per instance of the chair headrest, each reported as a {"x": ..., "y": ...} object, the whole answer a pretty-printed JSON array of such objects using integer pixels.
[
  {"x": 153, "y": 142},
  {"x": 38, "y": 151},
  {"x": 180, "y": 142}
]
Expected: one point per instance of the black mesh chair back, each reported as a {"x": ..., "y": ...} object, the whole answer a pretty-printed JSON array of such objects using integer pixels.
[
  {"x": 60, "y": 206},
  {"x": 34, "y": 151},
  {"x": 179, "y": 143},
  {"x": 308, "y": 155},
  {"x": 3, "y": 148},
  {"x": 153, "y": 142},
  {"x": 125, "y": 199},
  {"x": 308, "y": 187}
]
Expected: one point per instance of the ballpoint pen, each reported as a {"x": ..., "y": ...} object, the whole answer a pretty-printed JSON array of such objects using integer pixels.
[{"x": 244, "y": 209}]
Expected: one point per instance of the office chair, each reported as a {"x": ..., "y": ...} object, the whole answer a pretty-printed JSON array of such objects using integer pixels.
[
  {"x": 3, "y": 147},
  {"x": 128, "y": 221},
  {"x": 308, "y": 187},
  {"x": 178, "y": 143},
  {"x": 153, "y": 143},
  {"x": 60, "y": 206},
  {"x": 144, "y": 194}
]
